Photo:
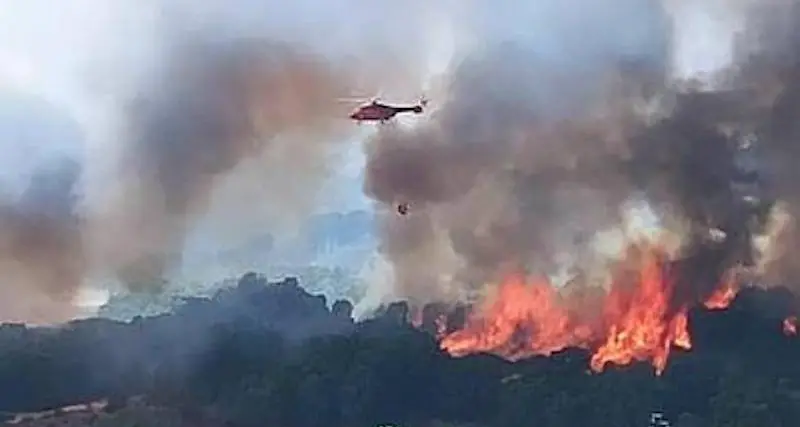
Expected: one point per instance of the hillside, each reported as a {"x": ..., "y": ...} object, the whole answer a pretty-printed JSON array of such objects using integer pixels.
[
  {"x": 327, "y": 256},
  {"x": 273, "y": 354}
]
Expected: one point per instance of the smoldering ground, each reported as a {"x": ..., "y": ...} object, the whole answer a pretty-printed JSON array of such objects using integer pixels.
[{"x": 530, "y": 155}]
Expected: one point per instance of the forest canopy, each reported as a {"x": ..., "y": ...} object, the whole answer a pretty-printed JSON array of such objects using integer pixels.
[{"x": 272, "y": 354}]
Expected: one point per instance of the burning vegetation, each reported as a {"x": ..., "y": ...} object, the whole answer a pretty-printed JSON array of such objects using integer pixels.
[
  {"x": 533, "y": 181},
  {"x": 637, "y": 318},
  {"x": 272, "y": 354}
]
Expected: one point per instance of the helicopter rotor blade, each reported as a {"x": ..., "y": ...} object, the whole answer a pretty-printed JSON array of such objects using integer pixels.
[
  {"x": 362, "y": 99},
  {"x": 351, "y": 99}
]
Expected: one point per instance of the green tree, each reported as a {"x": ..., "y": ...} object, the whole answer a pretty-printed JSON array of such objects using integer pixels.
[{"x": 744, "y": 401}]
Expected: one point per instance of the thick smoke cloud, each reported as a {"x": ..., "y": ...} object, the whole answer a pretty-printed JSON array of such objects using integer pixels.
[
  {"x": 533, "y": 153},
  {"x": 236, "y": 97},
  {"x": 226, "y": 100},
  {"x": 523, "y": 160},
  {"x": 42, "y": 261},
  {"x": 556, "y": 116},
  {"x": 177, "y": 99},
  {"x": 770, "y": 64},
  {"x": 212, "y": 107}
]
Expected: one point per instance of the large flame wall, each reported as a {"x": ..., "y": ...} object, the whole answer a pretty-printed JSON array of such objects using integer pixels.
[{"x": 636, "y": 318}]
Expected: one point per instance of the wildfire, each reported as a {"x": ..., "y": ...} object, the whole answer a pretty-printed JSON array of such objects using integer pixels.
[
  {"x": 640, "y": 326},
  {"x": 521, "y": 320},
  {"x": 636, "y": 320}
]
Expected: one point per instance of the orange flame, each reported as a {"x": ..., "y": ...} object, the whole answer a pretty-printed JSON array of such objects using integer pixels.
[
  {"x": 641, "y": 327},
  {"x": 722, "y": 297},
  {"x": 636, "y": 322},
  {"x": 521, "y": 320}
]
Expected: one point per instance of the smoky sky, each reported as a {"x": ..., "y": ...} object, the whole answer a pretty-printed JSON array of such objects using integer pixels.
[
  {"x": 43, "y": 259},
  {"x": 213, "y": 106},
  {"x": 222, "y": 100},
  {"x": 552, "y": 116},
  {"x": 518, "y": 162},
  {"x": 42, "y": 262},
  {"x": 770, "y": 62},
  {"x": 537, "y": 145},
  {"x": 175, "y": 100}
]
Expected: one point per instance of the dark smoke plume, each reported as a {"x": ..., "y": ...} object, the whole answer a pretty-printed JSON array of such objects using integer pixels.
[
  {"x": 525, "y": 160},
  {"x": 501, "y": 175},
  {"x": 771, "y": 64}
]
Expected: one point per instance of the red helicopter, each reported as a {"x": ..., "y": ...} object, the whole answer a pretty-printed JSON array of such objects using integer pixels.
[{"x": 376, "y": 111}]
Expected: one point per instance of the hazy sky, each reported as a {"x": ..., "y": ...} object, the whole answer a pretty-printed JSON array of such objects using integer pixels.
[
  {"x": 67, "y": 51},
  {"x": 81, "y": 56},
  {"x": 73, "y": 52}
]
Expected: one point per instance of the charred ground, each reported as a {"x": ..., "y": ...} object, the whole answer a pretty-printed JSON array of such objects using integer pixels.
[{"x": 273, "y": 354}]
